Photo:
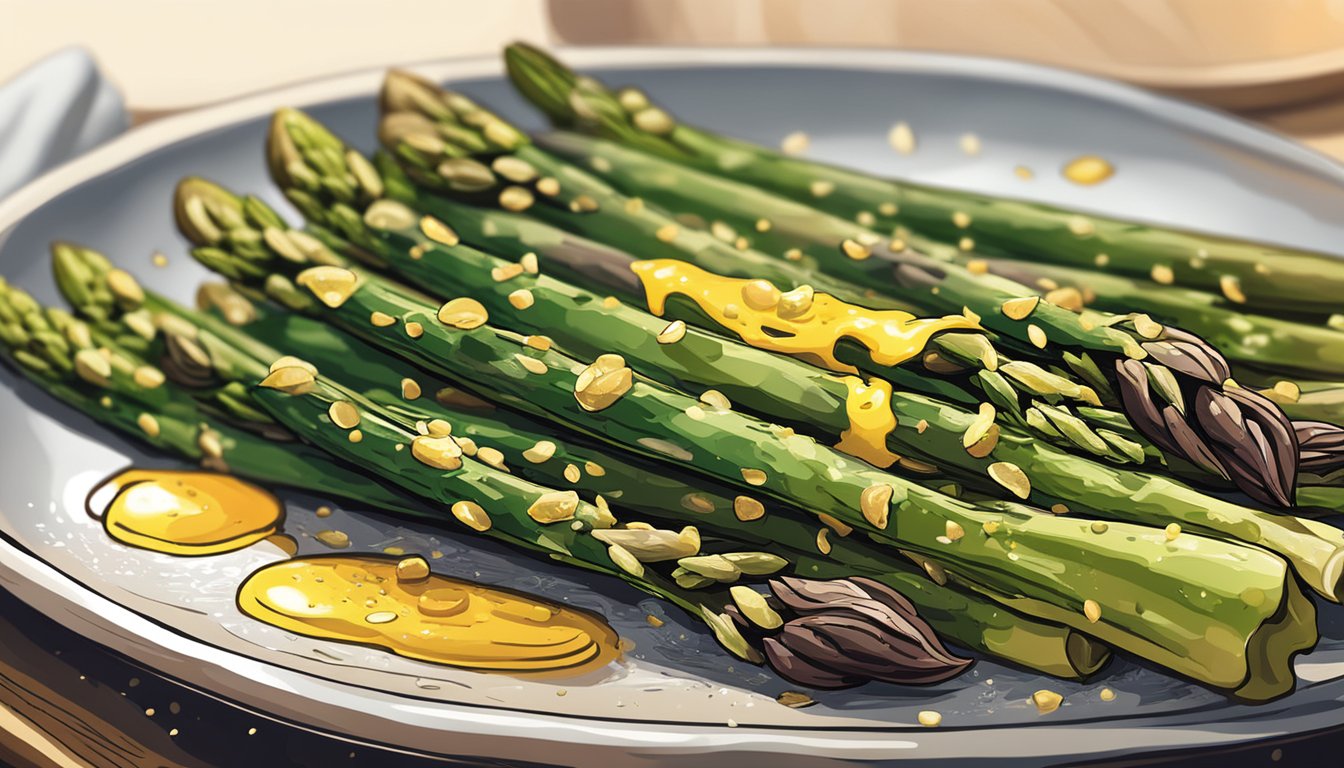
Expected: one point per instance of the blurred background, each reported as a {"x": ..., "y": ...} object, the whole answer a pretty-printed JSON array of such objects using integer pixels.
[{"x": 1278, "y": 62}]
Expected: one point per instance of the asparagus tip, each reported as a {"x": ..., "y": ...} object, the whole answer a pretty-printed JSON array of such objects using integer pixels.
[
  {"x": 404, "y": 91},
  {"x": 201, "y": 209}
]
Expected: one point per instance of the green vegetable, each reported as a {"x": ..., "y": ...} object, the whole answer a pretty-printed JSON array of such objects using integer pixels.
[
  {"x": 1156, "y": 370},
  {"x": 1061, "y": 569},
  {"x": 770, "y": 386},
  {"x": 1272, "y": 278}
]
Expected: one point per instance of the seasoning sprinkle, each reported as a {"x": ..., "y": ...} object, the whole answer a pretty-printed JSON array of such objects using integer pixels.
[
  {"x": 463, "y": 313},
  {"x": 875, "y": 504},
  {"x": 541, "y": 452},
  {"x": 1092, "y": 611},
  {"x": 674, "y": 332},
  {"x": 438, "y": 231},
  {"x": 901, "y": 138},
  {"x": 1231, "y": 287},
  {"x": 381, "y": 319},
  {"x": 344, "y": 414},
  {"x": 1018, "y": 309},
  {"x": 1161, "y": 273},
  {"x": 410, "y": 389},
  {"x": 746, "y": 508},
  {"x": 522, "y": 299},
  {"x": 795, "y": 143},
  {"x": 1010, "y": 476}
]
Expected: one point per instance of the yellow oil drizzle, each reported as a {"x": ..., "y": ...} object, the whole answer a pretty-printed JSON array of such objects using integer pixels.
[
  {"x": 808, "y": 326},
  {"x": 399, "y": 606},
  {"x": 870, "y": 421},
  {"x": 186, "y": 513}
]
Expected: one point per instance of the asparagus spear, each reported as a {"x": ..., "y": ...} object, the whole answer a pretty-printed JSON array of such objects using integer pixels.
[
  {"x": 381, "y": 436},
  {"x": 582, "y": 325},
  {"x": 1266, "y": 341},
  {"x": 1231, "y": 433},
  {"x": 544, "y": 457},
  {"x": 1258, "y": 276},
  {"x": 1065, "y": 571}
]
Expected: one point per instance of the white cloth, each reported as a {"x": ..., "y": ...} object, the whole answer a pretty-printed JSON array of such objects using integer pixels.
[{"x": 56, "y": 109}]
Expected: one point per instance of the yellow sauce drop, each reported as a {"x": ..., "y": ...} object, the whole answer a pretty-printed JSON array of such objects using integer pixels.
[
  {"x": 425, "y": 616},
  {"x": 870, "y": 421},
  {"x": 765, "y": 319},
  {"x": 1088, "y": 170},
  {"x": 186, "y": 513}
]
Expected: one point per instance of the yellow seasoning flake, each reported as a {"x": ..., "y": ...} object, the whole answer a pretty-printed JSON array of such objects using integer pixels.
[
  {"x": 410, "y": 389},
  {"x": 961, "y": 219},
  {"x": 415, "y": 330},
  {"x": 754, "y": 476},
  {"x": 463, "y": 313},
  {"x": 674, "y": 332},
  {"x": 1059, "y": 509},
  {"x": 667, "y": 233},
  {"x": 1107, "y": 694},
  {"x": 1231, "y": 287},
  {"x": 700, "y": 503},
  {"x": 1172, "y": 531},
  {"x": 1024, "y": 173},
  {"x": 1099, "y": 527},
  {"x": 529, "y": 263},
  {"x": 506, "y": 272},
  {"x": 795, "y": 143},
  {"x": 438, "y": 231},
  {"x": 331, "y": 285},
  {"x": 821, "y": 188},
  {"x": 572, "y": 473},
  {"x": 1037, "y": 336},
  {"x": 532, "y": 364},
  {"x": 930, "y": 719},
  {"x": 148, "y": 424},
  {"x": 1046, "y": 701},
  {"x": 539, "y": 343},
  {"x": 594, "y": 469},
  {"x": 610, "y": 302},
  {"x": 855, "y": 250},
  {"x": 875, "y": 504},
  {"x": 492, "y": 456},
  {"x": 1161, "y": 273},
  {"x": 954, "y": 530},
  {"x": 970, "y": 144},
  {"x": 148, "y": 377},
  {"x": 901, "y": 138},
  {"x": 824, "y": 541},
  {"x": 1011, "y": 477},
  {"x": 343, "y": 414},
  {"x": 1081, "y": 226},
  {"x": 355, "y": 436},
  {"x": 763, "y": 225},
  {"x": 716, "y": 400},
  {"x": 437, "y": 452},
  {"x": 1092, "y": 611},
  {"x": 840, "y": 527},
  {"x": 515, "y": 199},
  {"x": 521, "y": 299},
  {"x": 541, "y": 452},
  {"x": 548, "y": 186},
  {"x": 382, "y": 319},
  {"x": 1018, "y": 309},
  {"x": 653, "y": 621},
  {"x": 554, "y": 507},
  {"x": 746, "y": 508},
  {"x": 603, "y": 382}
]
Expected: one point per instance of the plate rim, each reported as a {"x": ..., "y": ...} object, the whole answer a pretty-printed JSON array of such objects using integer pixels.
[{"x": 36, "y": 577}]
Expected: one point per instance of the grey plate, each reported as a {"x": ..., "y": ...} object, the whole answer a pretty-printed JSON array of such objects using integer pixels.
[{"x": 674, "y": 695}]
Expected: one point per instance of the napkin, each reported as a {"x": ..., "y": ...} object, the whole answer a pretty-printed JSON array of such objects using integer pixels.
[{"x": 52, "y": 111}]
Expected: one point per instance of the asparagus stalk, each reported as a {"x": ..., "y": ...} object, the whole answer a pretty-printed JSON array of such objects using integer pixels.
[
  {"x": 1267, "y": 341},
  {"x": 129, "y": 395},
  {"x": 381, "y": 437},
  {"x": 547, "y": 458},
  {"x": 800, "y": 395},
  {"x": 1231, "y": 433},
  {"x": 1256, "y": 276},
  {"x": 1108, "y": 581}
]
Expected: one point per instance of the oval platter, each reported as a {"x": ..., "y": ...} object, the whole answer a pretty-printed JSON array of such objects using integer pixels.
[{"x": 674, "y": 697}]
